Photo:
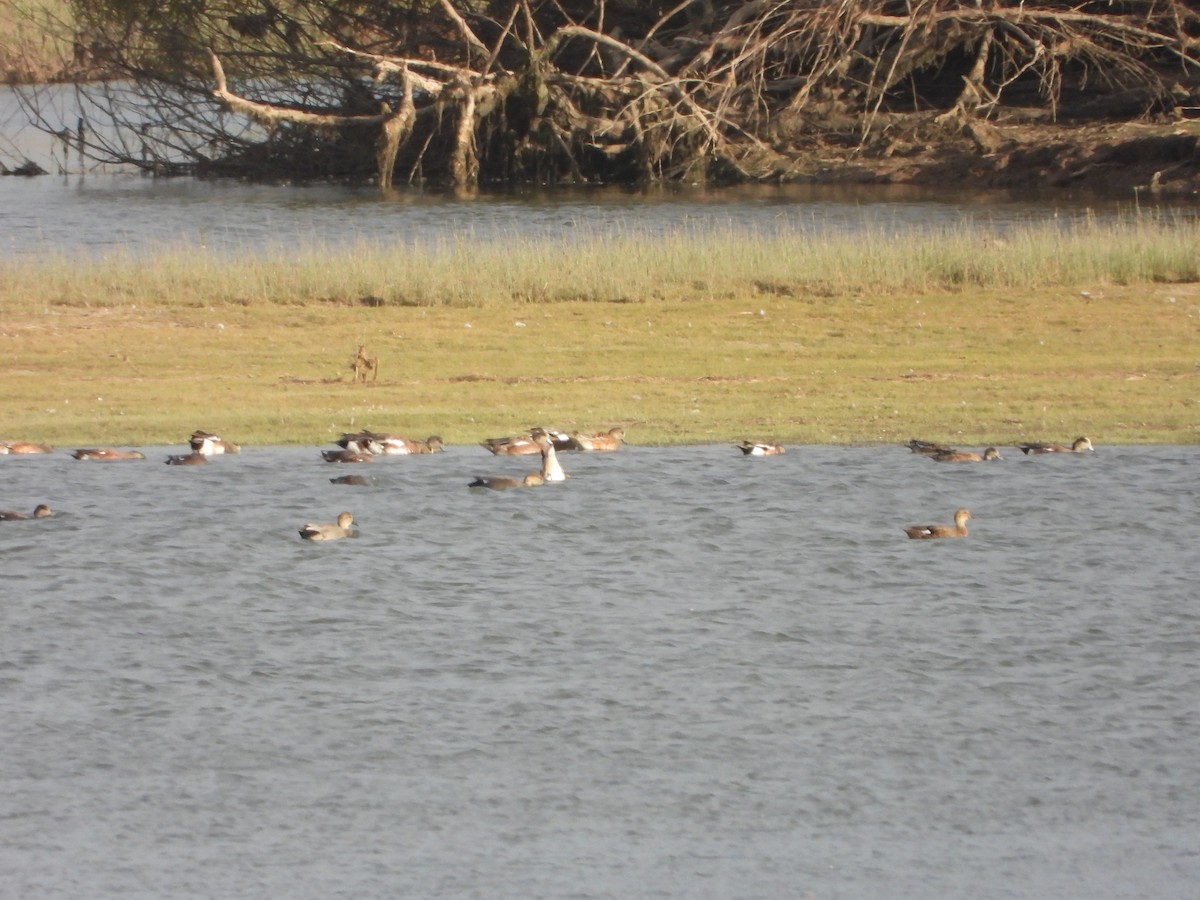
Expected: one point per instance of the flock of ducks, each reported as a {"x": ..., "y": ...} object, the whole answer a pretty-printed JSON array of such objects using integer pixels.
[
  {"x": 942, "y": 453},
  {"x": 363, "y": 446}
]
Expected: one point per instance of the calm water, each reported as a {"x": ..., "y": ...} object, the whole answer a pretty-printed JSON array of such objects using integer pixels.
[
  {"x": 683, "y": 673},
  {"x": 84, "y": 210}
]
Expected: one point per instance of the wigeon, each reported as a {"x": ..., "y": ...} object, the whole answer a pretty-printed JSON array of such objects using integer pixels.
[
  {"x": 394, "y": 445},
  {"x": 957, "y": 530},
  {"x": 107, "y": 454},
  {"x": 350, "y": 479},
  {"x": 212, "y": 444},
  {"x": 928, "y": 448},
  {"x": 515, "y": 446},
  {"x": 604, "y": 441},
  {"x": 752, "y": 448},
  {"x": 24, "y": 448},
  {"x": 345, "y": 456}
]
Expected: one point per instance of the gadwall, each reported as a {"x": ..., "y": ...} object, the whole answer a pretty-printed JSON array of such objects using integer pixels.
[
  {"x": 603, "y": 441},
  {"x": 753, "y": 448},
  {"x": 966, "y": 456},
  {"x": 41, "y": 511},
  {"x": 504, "y": 483},
  {"x": 1081, "y": 445},
  {"x": 107, "y": 454},
  {"x": 195, "y": 458},
  {"x": 314, "y": 532},
  {"x": 957, "y": 530},
  {"x": 24, "y": 448},
  {"x": 211, "y": 444}
]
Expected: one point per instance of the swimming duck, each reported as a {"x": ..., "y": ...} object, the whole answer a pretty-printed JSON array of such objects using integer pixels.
[
  {"x": 928, "y": 448},
  {"x": 925, "y": 532},
  {"x": 394, "y": 445},
  {"x": 515, "y": 446},
  {"x": 1081, "y": 445},
  {"x": 314, "y": 532},
  {"x": 212, "y": 444},
  {"x": 350, "y": 479},
  {"x": 195, "y": 458},
  {"x": 345, "y": 456},
  {"x": 966, "y": 456},
  {"x": 752, "y": 448},
  {"x": 24, "y": 448},
  {"x": 107, "y": 454},
  {"x": 504, "y": 483},
  {"x": 604, "y": 441},
  {"x": 362, "y": 442},
  {"x": 552, "y": 469},
  {"x": 41, "y": 511}
]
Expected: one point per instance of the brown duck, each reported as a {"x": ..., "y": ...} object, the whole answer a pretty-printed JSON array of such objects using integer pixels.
[{"x": 926, "y": 532}]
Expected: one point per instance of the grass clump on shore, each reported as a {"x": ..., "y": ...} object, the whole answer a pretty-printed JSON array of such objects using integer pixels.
[{"x": 682, "y": 337}]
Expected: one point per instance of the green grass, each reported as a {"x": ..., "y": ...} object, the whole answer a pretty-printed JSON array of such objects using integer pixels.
[{"x": 680, "y": 338}]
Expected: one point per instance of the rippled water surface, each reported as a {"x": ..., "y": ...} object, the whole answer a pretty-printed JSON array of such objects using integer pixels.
[{"x": 683, "y": 673}]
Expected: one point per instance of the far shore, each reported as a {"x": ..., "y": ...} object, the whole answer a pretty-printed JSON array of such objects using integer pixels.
[{"x": 1049, "y": 334}]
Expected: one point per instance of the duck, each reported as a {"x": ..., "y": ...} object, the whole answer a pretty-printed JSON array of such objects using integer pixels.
[
  {"x": 552, "y": 469},
  {"x": 315, "y": 532},
  {"x": 107, "y": 454},
  {"x": 195, "y": 458},
  {"x": 41, "y": 511},
  {"x": 24, "y": 448},
  {"x": 515, "y": 446},
  {"x": 928, "y": 448},
  {"x": 957, "y": 530},
  {"x": 504, "y": 483},
  {"x": 753, "y": 448},
  {"x": 212, "y": 444},
  {"x": 604, "y": 442},
  {"x": 966, "y": 456},
  {"x": 394, "y": 445},
  {"x": 350, "y": 479},
  {"x": 346, "y": 456},
  {"x": 362, "y": 442},
  {"x": 1081, "y": 445}
]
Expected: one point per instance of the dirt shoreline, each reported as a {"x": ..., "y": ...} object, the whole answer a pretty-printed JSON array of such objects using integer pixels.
[{"x": 1153, "y": 158}]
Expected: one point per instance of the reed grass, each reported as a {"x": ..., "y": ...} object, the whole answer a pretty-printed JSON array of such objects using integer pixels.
[
  {"x": 630, "y": 267},
  {"x": 680, "y": 337}
]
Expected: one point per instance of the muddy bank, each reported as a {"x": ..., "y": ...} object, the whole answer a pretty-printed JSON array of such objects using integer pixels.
[{"x": 1159, "y": 157}]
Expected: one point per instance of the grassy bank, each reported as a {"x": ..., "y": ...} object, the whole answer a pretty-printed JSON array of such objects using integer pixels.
[{"x": 679, "y": 338}]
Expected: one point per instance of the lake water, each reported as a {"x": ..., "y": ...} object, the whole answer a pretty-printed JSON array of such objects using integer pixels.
[
  {"x": 682, "y": 673},
  {"x": 82, "y": 209}
]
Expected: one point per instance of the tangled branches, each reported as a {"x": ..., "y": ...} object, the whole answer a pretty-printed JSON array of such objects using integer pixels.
[{"x": 520, "y": 90}]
